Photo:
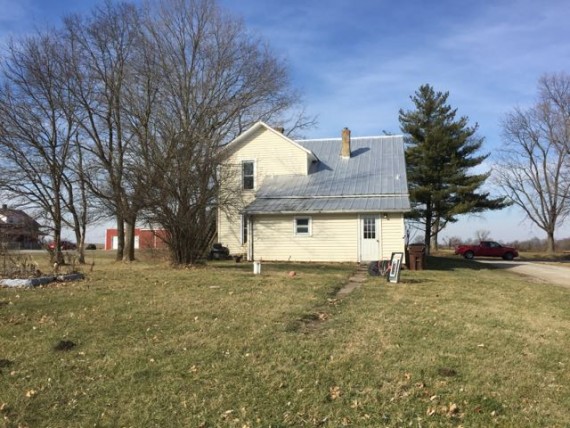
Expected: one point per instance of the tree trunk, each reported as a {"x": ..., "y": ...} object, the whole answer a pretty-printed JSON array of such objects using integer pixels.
[
  {"x": 129, "y": 249},
  {"x": 434, "y": 235},
  {"x": 120, "y": 238},
  {"x": 550, "y": 243},
  {"x": 57, "y": 255},
  {"x": 427, "y": 235}
]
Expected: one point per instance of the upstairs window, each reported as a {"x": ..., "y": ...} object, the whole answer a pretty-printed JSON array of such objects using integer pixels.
[{"x": 247, "y": 174}]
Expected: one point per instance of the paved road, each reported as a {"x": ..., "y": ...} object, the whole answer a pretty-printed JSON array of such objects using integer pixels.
[{"x": 546, "y": 273}]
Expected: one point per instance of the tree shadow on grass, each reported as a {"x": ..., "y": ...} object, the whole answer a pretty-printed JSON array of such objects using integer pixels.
[{"x": 448, "y": 263}]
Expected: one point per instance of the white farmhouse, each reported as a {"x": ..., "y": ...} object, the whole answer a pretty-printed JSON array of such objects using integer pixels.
[{"x": 335, "y": 199}]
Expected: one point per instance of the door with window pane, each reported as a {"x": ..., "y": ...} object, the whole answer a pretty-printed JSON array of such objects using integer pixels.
[{"x": 369, "y": 238}]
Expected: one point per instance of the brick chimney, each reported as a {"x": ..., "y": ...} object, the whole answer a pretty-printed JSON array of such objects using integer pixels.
[{"x": 345, "y": 149}]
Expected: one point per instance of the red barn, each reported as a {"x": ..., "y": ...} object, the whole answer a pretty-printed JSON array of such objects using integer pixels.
[{"x": 144, "y": 239}]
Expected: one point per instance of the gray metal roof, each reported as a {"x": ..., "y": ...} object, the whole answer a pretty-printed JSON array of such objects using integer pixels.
[
  {"x": 372, "y": 179},
  {"x": 328, "y": 205}
]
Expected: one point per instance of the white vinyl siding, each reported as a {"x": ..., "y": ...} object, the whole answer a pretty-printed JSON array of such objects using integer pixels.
[
  {"x": 393, "y": 232},
  {"x": 334, "y": 238},
  {"x": 271, "y": 155},
  {"x": 230, "y": 232}
]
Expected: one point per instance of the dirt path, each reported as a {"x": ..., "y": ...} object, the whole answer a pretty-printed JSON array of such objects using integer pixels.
[{"x": 545, "y": 273}]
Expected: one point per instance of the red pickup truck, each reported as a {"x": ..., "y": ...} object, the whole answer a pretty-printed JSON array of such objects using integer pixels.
[{"x": 486, "y": 249}]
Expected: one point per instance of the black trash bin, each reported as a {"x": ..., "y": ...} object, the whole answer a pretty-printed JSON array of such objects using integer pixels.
[{"x": 417, "y": 257}]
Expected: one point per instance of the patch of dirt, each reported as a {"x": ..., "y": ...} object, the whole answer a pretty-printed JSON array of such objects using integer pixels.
[
  {"x": 4, "y": 363},
  {"x": 64, "y": 345}
]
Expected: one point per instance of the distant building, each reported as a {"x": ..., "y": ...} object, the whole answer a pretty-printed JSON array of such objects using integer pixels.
[
  {"x": 18, "y": 230},
  {"x": 144, "y": 239}
]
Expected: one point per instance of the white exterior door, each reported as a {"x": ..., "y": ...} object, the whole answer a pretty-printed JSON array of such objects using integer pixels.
[
  {"x": 369, "y": 238},
  {"x": 137, "y": 242},
  {"x": 115, "y": 243}
]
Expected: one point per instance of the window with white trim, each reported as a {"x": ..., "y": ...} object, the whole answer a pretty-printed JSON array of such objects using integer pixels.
[
  {"x": 303, "y": 226},
  {"x": 248, "y": 175},
  {"x": 244, "y": 229}
]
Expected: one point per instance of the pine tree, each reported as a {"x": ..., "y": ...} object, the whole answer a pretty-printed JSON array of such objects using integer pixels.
[{"x": 440, "y": 151}]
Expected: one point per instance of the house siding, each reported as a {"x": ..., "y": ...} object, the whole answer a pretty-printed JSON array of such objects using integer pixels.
[
  {"x": 272, "y": 155},
  {"x": 229, "y": 232},
  {"x": 334, "y": 238},
  {"x": 393, "y": 232}
]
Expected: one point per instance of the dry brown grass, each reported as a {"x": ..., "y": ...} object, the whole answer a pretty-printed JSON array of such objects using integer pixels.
[{"x": 217, "y": 346}]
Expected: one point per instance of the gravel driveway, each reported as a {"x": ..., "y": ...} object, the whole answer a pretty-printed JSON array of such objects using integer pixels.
[{"x": 542, "y": 272}]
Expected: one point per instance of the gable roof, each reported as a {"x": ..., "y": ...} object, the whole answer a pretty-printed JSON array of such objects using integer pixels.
[
  {"x": 13, "y": 216},
  {"x": 373, "y": 179},
  {"x": 243, "y": 137}
]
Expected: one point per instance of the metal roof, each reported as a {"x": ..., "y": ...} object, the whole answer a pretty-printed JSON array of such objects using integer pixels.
[
  {"x": 328, "y": 205},
  {"x": 372, "y": 179}
]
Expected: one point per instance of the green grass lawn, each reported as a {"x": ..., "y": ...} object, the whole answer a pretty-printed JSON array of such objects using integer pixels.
[{"x": 144, "y": 345}]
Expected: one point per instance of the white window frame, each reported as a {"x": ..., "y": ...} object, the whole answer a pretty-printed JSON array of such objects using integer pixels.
[
  {"x": 309, "y": 226},
  {"x": 243, "y": 162},
  {"x": 244, "y": 229},
  {"x": 370, "y": 227}
]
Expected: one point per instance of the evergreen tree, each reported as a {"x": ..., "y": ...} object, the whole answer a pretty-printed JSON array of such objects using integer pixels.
[{"x": 440, "y": 151}]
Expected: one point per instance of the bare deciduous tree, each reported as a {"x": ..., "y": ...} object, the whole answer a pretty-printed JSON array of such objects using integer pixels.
[
  {"x": 128, "y": 109},
  {"x": 533, "y": 168},
  {"x": 482, "y": 235},
  {"x": 214, "y": 81},
  {"x": 38, "y": 130},
  {"x": 101, "y": 48}
]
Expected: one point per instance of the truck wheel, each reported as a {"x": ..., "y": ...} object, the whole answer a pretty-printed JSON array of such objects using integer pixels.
[
  {"x": 508, "y": 256},
  {"x": 469, "y": 255}
]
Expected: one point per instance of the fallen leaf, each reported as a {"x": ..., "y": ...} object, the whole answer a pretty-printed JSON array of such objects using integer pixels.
[
  {"x": 453, "y": 408},
  {"x": 334, "y": 392}
]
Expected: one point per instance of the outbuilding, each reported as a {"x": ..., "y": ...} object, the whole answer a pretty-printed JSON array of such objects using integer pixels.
[{"x": 144, "y": 239}]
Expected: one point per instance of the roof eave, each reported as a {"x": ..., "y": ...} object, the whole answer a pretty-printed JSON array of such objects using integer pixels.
[{"x": 297, "y": 212}]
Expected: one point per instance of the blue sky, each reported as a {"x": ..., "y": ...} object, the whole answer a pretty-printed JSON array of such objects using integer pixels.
[{"x": 357, "y": 62}]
